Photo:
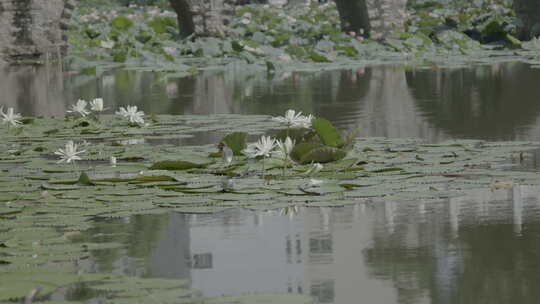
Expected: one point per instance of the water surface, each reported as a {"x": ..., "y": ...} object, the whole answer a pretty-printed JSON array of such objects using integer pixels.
[
  {"x": 481, "y": 248},
  {"x": 494, "y": 102}
]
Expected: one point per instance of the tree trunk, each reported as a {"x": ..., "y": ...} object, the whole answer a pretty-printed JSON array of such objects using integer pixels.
[
  {"x": 185, "y": 17},
  {"x": 33, "y": 29},
  {"x": 386, "y": 16},
  {"x": 354, "y": 16},
  {"x": 201, "y": 17},
  {"x": 529, "y": 13}
]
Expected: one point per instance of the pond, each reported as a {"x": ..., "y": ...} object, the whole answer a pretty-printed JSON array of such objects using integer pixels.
[{"x": 477, "y": 248}]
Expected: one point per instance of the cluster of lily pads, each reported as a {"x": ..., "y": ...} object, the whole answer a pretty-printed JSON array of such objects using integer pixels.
[
  {"x": 296, "y": 37},
  {"x": 43, "y": 209},
  {"x": 294, "y": 160}
]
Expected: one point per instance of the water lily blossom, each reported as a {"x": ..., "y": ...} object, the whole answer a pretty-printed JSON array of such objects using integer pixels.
[
  {"x": 227, "y": 154},
  {"x": 264, "y": 147},
  {"x": 107, "y": 44},
  {"x": 69, "y": 153},
  {"x": 305, "y": 122},
  {"x": 284, "y": 148},
  {"x": 96, "y": 105},
  {"x": 293, "y": 119},
  {"x": 10, "y": 117},
  {"x": 79, "y": 108},
  {"x": 314, "y": 169},
  {"x": 132, "y": 114}
]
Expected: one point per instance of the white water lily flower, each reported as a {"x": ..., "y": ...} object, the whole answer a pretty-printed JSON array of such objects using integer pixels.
[
  {"x": 315, "y": 168},
  {"x": 263, "y": 147},
  {"x": 293, "y": 119},
  {"x": 80, "y": 108},
  {"x": 170, "y": 50},
  {"x": 69, "y": 153},
  {"x": 284, "y": 148},
  {"x": 132, "y": 114},
  {"x": 227, "y": 184},
  {"x": 227, "y": 155},
  {"x": 96, "y": 105},
  {"x": 10, "y": 117},
  {"x": 107, "y": 44},
  {"x": 305, "y": 122}
]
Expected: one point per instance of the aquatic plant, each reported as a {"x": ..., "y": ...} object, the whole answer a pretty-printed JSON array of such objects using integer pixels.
[
  {"x": 70, "y": 153},
  {"x": 79, "y": 108},
  {"x": 314, "y": 169},
  {"x": 10, "y": 117},
  {"x": 132, "y": 114},
  {"x": 315, "y": 182},
  {"x": 227, "y": 154},
  {"x": 96, "y": 105},
  {"x": 292, "y": 119},
  {"x": 301, "y": 37},
  {"x": 44, "y": 209},
  {"x": 262, "y": 148},
  {"x": 284, "y": 149}
]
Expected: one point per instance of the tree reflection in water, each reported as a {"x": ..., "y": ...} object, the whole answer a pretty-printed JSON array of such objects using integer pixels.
[{"x": 496, "y": 102}]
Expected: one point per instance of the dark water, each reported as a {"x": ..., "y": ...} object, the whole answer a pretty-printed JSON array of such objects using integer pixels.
[{"x": 482, "y": 248}]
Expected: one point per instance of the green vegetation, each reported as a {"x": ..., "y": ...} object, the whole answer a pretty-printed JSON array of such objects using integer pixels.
[
  {"x": 297, "y": 37},
  {"x": 115, "y": 3}
]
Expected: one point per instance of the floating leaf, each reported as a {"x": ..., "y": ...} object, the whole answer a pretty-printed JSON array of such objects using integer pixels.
[
  {"x": 300, "y": 150},
  {"x": 328, "y": 134},
  {"x": 298, "y": 135},
  {"x": 236, "y": 141},
  {"x": 84, "y": 179},
  {"x": 178, "y": 165},
  {"x": 323, "y": 155}
]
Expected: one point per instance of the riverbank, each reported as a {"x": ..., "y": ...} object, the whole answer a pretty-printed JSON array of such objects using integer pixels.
[{"x": 304, "y": 37}]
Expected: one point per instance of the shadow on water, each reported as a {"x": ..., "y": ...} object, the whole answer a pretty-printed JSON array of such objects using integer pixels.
[
  {"x": 496, "y": 102},
  {"x": 481, "y": 248}
]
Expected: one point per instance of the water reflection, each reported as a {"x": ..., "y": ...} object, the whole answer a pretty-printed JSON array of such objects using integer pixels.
[
  {"x": 496, "y": 102},
  {"x": 474, "y": 249},
  {"x": 492, "y": 102}
]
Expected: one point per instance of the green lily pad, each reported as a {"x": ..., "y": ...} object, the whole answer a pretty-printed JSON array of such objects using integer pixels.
[
  {"x": 236, "y": 141},
  {"x": 175, "y": 165},
  {"x": 328, "y": 134}
]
